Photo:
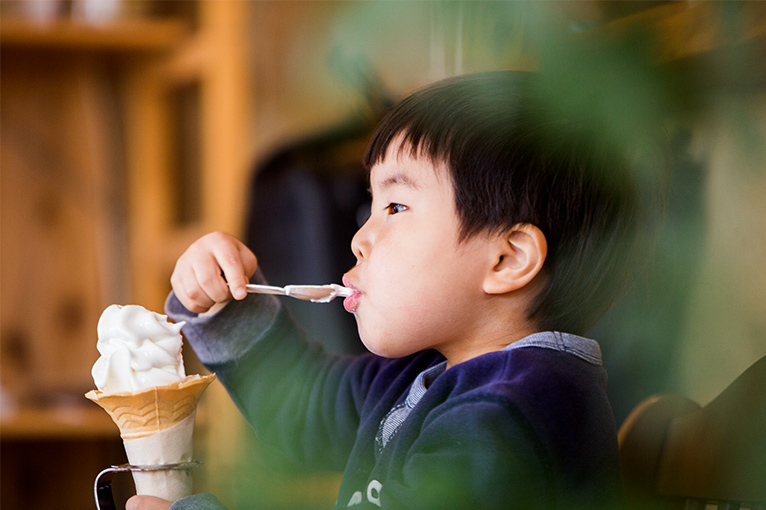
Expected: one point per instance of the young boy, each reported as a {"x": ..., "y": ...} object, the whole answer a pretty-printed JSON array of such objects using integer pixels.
[{"x": 495, "y": 228}]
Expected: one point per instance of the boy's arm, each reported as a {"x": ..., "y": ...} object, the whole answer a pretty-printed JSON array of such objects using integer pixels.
[{"x": 296, "y": 396}]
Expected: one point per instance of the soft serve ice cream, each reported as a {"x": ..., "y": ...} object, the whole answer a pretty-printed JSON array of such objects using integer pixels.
[
  {"x": 142, "y": 385},
  {"x": 139, "y": 349}
]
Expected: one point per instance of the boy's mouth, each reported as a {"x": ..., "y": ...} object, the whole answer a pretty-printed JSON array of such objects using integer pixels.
[{"x": 351, "y": 302}]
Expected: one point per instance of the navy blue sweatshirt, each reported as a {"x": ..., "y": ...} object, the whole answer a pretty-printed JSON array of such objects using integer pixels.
[{"x": 526, "y": 427}]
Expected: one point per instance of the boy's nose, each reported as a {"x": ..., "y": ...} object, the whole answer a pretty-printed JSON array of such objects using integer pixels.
[{"x": 362, "y": 241}]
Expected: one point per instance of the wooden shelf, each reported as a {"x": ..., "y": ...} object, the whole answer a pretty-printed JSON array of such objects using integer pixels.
[
  {"x": 122, "y": 35},
  {"x": 95, "y": 119},
  {"x": 59, "y": 422}
]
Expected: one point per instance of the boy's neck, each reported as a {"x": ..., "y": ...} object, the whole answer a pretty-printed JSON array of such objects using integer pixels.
[
  {"x": 493, "y": 341},
  {"x": 500, "y": 320}
]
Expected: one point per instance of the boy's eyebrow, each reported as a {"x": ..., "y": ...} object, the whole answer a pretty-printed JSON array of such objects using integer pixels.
[{"x": 399, "y": 178}]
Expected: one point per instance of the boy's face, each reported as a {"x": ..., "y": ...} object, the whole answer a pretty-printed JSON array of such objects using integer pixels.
[{"x": 418, "y": 287}]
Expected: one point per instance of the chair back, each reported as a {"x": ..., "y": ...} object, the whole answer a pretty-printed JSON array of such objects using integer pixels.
[{"x": 678, "y": 455}]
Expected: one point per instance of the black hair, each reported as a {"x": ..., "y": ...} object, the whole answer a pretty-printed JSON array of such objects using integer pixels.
[{"x": 513, "y": 160}]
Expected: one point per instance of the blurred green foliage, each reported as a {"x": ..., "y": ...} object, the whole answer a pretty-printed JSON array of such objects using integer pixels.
[{"x": 630, "y": 88}]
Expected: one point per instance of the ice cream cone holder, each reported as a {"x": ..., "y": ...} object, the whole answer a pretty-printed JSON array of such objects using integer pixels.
[{"x": 102, "y": 487}]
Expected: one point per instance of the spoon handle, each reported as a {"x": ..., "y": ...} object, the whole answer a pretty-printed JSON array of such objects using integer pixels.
[
  {"x": 265, "y": 289},
  {"x": 313, "y": 293}
]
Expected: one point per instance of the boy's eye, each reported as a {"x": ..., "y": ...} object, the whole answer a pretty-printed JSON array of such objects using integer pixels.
[{"x": 396, "y": 208}]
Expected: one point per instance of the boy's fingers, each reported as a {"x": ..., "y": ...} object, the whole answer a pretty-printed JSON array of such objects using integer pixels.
[
  {"x": 209, "y": 275},
  {"x": 212, "y": 270},
  {"x": 237, "y": 287},
  {"x": 190, "y": 294},
  {"x": 147, "y": 503},
  {"x": 248, "y": 264},
  {"x": 237, "y": 263}
]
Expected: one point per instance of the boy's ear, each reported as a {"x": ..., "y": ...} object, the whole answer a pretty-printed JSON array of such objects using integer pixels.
[{"x": 517, "y": 258}]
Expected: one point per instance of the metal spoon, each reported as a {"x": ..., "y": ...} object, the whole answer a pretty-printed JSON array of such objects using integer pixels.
[{"x": 313, "y": 293}]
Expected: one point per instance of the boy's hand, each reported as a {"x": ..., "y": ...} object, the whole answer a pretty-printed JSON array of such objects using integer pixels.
[
  {"x": 212, "y": 270},
  {"x": 147, "y": 503}
]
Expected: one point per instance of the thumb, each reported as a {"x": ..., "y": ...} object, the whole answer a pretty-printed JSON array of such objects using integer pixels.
[{"x": 147, "y": 503}]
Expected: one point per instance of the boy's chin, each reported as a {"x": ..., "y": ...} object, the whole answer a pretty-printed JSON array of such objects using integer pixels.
[
  {"x": 383, "y": 351},
  {"x": 376, "y": 351},
  {"x": 374, "y": 347}
]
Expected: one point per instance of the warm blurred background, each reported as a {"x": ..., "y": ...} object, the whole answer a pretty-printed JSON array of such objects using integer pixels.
[{"x": 131, "y": 127}]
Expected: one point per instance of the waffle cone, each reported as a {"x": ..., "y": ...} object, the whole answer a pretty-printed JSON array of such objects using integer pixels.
[{"x": 146, "y": 412}]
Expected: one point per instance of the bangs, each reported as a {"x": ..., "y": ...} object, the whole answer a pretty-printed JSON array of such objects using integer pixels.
[
  {"x": 416, "y": 135},
  {"x": 442, "y": 121}
]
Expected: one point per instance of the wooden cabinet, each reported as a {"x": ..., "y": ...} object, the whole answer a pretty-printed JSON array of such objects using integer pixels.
[{"x": 107, "y": 131}]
